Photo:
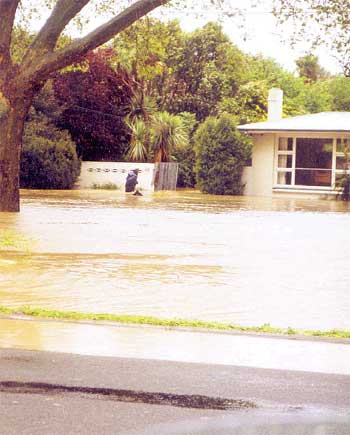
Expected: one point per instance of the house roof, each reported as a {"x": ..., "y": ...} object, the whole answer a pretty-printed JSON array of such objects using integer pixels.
[{"x": 316, "y": 122}]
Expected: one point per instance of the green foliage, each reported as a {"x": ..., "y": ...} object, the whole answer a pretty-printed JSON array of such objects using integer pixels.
[
  {"x": 309, "y": 68},
  {"x": 344, "y": 185},
  {"x": 138, "y": 152},
  {"x": 139, "y": 121},
  {"x": 317, "y": 97},
  {"x": 221, "y": 152},
  {"x": 186, "y": 158},
  {"x": 49, "y": 159},
  {"x": 149, "y": 48},
  {"x": 46, "y": 104},
  {"x": 300, "y": 96},
  {"x": 21, "y": 38},
  {"x": 142, "y": 105},
  {"x": 210, "y": 68},
  {"x": 165, "y": 133},
  {"x": 265, "y": 74},
  {"x": 249, "y": 104},
  {"x": 168, "y": 134},
  {"x": 150, "y": 51},
  {"x": 20, "y": 41},
  {"x": 265, "y": 69},
  {"x": 185, "y": 155},
  {"x": 339, "y": 89}
]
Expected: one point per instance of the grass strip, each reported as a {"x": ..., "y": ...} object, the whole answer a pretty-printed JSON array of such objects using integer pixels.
[
  {"x": 11, "y": 241},
  {"x": 147, "y": 320}
]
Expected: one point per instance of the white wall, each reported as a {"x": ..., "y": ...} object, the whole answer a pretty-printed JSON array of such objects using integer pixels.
[
  {"x": 247, "y": 180},
  {"x": 114, "y": 172},
  {"x": 259, "y": 177}
]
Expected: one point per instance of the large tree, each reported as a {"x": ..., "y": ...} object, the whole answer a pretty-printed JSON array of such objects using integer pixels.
[
  {"x": 20, "y": 82},
  {"x": 210, "y": 68}
]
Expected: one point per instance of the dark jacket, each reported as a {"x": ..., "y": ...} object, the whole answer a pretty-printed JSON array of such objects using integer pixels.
[{"x": 131, "y": 181}]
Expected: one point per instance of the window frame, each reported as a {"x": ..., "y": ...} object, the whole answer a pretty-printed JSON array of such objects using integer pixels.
[{"x": 335, "y": 154}]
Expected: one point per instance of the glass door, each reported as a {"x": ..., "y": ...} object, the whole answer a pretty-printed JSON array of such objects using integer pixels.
[{"x": 313, "y": 162}]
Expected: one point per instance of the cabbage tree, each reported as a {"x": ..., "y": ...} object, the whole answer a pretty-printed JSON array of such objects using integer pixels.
[
  {"x": 168, "y": 134},
  {"x": 158, "y": 139}
]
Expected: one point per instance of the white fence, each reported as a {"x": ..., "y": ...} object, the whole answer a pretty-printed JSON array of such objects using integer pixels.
[{"x": 99, "y": 174}]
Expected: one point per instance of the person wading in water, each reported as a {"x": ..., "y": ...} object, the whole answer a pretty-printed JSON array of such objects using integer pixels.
[{"x": 131, "y": 182}]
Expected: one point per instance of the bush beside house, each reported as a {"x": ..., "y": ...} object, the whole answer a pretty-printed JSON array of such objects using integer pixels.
[{"x": 221, "y": 153}]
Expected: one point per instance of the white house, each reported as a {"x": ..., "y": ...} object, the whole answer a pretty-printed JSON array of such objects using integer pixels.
[{"x": 303, "y": 154}]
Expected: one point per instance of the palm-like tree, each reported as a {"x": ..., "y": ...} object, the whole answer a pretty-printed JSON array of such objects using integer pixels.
[
  {"x": 138, "y": 150},
  {"x": 139, "y": 121},
  {"x": 156, "y": 139},
  {"x": 168, "y": 133}
]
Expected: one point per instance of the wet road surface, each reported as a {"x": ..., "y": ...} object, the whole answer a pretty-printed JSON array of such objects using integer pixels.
[{"x": 42, "y": 395}]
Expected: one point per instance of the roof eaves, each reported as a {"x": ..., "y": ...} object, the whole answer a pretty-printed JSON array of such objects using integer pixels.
[{"x": 292, "y": 130}]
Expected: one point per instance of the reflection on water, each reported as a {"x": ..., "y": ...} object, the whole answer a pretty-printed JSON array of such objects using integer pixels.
[
  {"x": 182, "y": 254},
  {"x": 195, "y": 347}
]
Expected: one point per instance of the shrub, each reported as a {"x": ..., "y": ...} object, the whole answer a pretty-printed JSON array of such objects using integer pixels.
[
  {"x": 185, "y": 155},
  {"x": 344, "y": 185},
  {"x": 186, "y": 159},
  {"x": 221, "y": 153},
  {"x": 49, "y": 159}
]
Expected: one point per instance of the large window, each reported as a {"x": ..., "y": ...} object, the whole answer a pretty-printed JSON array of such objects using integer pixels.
[{"x": 311, "y": 162}]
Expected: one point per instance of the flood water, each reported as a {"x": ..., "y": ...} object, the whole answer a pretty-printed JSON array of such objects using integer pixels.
[
  {"x": 182, "y": 254},
  {"x": 87, "y": 338}
]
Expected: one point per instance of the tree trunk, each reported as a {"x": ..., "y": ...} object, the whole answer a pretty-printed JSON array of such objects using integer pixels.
[{"x": 12, "y": 116}]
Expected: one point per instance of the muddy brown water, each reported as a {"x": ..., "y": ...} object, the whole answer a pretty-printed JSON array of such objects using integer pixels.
[{"x": 182, "y": 254}]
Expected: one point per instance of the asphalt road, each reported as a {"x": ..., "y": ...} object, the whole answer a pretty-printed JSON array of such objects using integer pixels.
[{"x": 57, "y": 393}]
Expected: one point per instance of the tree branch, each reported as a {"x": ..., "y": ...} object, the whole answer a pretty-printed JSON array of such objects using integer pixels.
[
  {"x": 8, "y": 10},
  {"x": 54, "y": 61},
  {"x": 63, "y": 12}
]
